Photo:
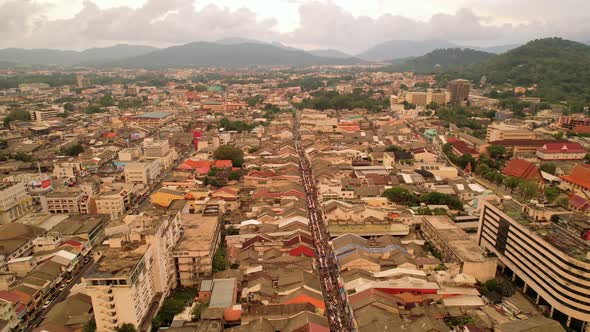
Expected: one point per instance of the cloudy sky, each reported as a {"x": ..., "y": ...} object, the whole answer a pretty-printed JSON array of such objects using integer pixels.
[{"x": 348, "y": 25}]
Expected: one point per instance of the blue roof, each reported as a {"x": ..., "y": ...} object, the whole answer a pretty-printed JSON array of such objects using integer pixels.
[{"x": 153, "y": 115}]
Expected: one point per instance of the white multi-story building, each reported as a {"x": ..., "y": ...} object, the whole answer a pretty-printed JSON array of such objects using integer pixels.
[
  {"x": 551, "y": 265},
  {"x": 122, "y": 285},
  {"x": 142, "y": 172},
  {"x": 14, "y": 202}
]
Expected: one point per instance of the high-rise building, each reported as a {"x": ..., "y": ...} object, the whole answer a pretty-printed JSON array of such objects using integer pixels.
[
  {"x": 550, "y": 264},
  {"x": 82, "y": 82},
  {"x": 459, "y": 90},
  {"x": 122, "y": 285}
]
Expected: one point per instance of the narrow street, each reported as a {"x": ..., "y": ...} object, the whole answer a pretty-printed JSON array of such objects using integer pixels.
[{"x": 337, "y": 308}]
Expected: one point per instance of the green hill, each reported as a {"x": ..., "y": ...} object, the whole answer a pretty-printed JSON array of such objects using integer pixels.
[
  {"x": 443, "y": 60},
  {"x": 560, "y": 68}
]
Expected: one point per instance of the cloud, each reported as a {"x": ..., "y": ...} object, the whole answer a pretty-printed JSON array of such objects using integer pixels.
[
  {"x": 322, "y": 24},
  {"x": 157, "y": 22}
]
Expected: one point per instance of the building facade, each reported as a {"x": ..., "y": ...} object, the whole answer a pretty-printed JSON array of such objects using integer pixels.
[
  {"x": 14, "y": 202},
  {"x": 550, "y": 264}
]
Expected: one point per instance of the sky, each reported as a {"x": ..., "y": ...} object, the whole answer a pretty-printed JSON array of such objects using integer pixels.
[{"x": 348, "y": 25}]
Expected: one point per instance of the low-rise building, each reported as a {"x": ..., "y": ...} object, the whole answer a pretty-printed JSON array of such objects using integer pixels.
[
  {"x": 497, "y": 132},
  {"x": 67, "y": 201},
  {"x": 455, "y": 245}
]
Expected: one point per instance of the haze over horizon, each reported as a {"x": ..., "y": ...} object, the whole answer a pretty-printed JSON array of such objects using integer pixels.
[{"x": 345, "y": 25}]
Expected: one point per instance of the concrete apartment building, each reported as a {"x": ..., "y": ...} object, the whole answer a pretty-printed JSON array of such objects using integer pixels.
[
  {"x": 161, "y": 229},
  {"x": 456, "y": 246},
  {"x": 142, "y": 172},
  {"x": 14, "y": 202},
  {"x": 113, "y": 202},
  {"x": 551, "y": 265},
  {"x": 497, "y": 132},
  {"x": 158, "y": 150},
  {"x": 122, "y": 285},
  {"x": 193, "y": 254},
  {"x": 66, "y": 201},
  {"x": 458, "y": 90},
  {"x": 416, "y": 98}
]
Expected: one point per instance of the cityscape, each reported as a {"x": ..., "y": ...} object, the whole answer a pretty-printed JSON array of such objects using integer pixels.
[{"x": 235, "y": 175}]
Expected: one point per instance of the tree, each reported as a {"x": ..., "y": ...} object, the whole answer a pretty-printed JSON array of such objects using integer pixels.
[
  {"x": 107, "y": 100},
  {"x": 528, "y": 189},
  {"x": 551, "y": 193},
  {"x": 227, "y": 152},
  {"x": 17, "y": 115},
  {"x": 548, "y": 168},
  {"x": 400, "y": 195},
  {"x": 197, "y": 310},
  {"x": 234, "y": 176},
  {"x": 127, "y": 327},
  {"x": 512, "y": 182},
  {"x": 496, "y": 151},
  {"x": 69, "y": 107},
  {"x": 73, "y": 150},
  {"x": 393, "y": 148},
  {"x": 219, "y": 260}
]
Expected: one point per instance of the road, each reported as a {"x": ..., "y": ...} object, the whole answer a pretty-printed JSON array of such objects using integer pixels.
[{"x": 337, "y": 309}]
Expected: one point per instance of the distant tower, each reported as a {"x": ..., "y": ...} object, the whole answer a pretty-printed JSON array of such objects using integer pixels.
[
  {"x": 459, "y": 90},
  {"x": 82, "y": 82}
]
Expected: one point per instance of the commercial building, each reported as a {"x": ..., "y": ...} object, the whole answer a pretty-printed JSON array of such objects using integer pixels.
[
  {"x": 550, "y": 264},
  {"x": 458, "y": 90},
  {"x": 155, "y": 148},
  {"x": 142, "y": 172},
  {"x": 14, "y": 202},
  {"x": 113, "y": 202},
  {"x": 158, "y": 150},
  {"x": 456, "y": 246},
  {"x": 67, "y": 170},
  {"x": 152, "y": 118},
  {"x": 499, "y": 132},
  {"x": 67, "y": 201},
  {"x": 121, "y": 285},
  {"x": 193, "y": 254}
]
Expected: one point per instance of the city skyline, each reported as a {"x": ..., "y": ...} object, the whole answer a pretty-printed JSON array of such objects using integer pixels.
[{"x": 344, "y": 25}]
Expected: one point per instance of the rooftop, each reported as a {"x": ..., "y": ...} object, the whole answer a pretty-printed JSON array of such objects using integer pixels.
[
  {"x": 153, "y": 115},
  {"x": 555, "y": 235},
  {"x": 119, "y": 262}
]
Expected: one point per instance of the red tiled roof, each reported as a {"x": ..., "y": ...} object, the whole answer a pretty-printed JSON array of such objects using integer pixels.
[
  {"x": 580, "y": 175},
  {"x": 527, "y": 142},
  {"x": 463, "y": 148},
  {"x": 562, "y": 148},
  {"x": 522, "y": 169},
  {"x": 579, "y": 202}
]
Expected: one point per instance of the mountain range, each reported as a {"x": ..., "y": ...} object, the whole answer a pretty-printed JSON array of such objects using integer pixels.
[
  {"x": 243, "y": 52},
  {"x": 442, "y": 60},
  {"x": 224, "y": 52},
  {"x": 91, "y": 56}
]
